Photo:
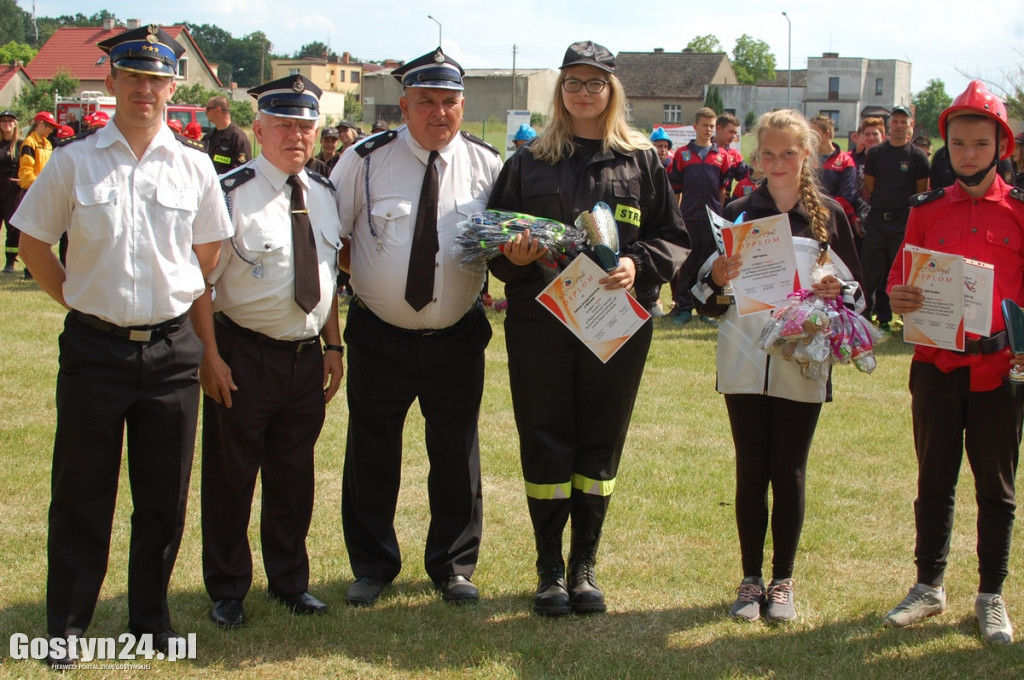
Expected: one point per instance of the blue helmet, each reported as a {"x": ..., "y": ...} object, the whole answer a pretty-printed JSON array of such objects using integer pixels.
[
  {"x": 659, "y": 135},
  {"x": 525, "y": 133}
]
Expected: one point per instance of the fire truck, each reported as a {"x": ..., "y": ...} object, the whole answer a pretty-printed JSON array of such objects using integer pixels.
[{"x": 92, "y": 101}]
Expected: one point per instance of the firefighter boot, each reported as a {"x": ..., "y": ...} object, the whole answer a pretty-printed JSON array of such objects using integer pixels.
[
  {"x": 552, "y": 597},
  {"x": 588, "y": 513}
]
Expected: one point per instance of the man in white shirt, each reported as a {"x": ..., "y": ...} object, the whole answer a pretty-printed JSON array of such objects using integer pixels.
[
  {"x": 264, "y": 373},
  {"x": 415, "y": 330},
  {"x": 144, "y": 218}
]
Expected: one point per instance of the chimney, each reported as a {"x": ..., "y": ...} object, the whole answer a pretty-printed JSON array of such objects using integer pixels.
[
  {"x": 829, "y": 55},
  {"x": 346, "y": 58},
  {"x": 108, "y": 24},
  {"x": 132, "y": 24}
]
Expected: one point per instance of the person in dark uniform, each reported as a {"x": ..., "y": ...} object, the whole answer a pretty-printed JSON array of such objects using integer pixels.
[
  {"x": 957, "y": 400},
  {"x": 129, "y": 358},
  {"x": 415, "y": 330},
  {"x": 894, "y": 171},
  {"x": 10, "y": 192},
  {"x": 572, "y": 411},
  {"x": 263, "y": 372},
  {"x": 227, "y": 144},
  {"x": 329, "y": 153}
]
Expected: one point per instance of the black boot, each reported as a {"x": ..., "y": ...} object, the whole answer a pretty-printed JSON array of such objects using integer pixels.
[
  {"x": 588, "y": 513},
  {"x": 552, "y": 597}
]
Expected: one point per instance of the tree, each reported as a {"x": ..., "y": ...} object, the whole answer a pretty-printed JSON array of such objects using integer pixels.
[
  {"x": 750, "y": 121},
  {"x": 930, "y": 102},
  {"x": 315, "y": 49},
  {"x": 713, "y": 100},
  {"x": 41, "y": 97},
  {"x": 752, "y": 60},
  {"x": 12, "y": 22},
  {"x": 353, "y": 107},
  {"x": 705, "y": 44},
  {"x": 16, "y": 51},
  {"x": 194, "y": 94}
]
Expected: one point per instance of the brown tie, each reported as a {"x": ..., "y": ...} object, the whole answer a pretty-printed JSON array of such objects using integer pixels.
[
  {"x": 419, "y": 284},
  {"x": 307, "y": 268}
]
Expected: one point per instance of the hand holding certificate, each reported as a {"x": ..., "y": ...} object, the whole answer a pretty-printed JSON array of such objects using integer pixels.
[
  {"x": 940, "y": 320},
  {"x": 603, "y": 319},
  {"x": 768, "y": 273}
]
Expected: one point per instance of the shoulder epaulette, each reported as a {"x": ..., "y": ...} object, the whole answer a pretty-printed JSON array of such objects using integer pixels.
[
  {"x": 189, "y": 142},
  {"x": 926, "y": 197},
  {"x": 374, "y": 142},
  {"x": 477, "y": 140},
  {"x": 81, "y": 135},
  {"x": 1017, "y": 193},
  {"x": 236, "y": 178},
  {"x": 316, "y": 176}
]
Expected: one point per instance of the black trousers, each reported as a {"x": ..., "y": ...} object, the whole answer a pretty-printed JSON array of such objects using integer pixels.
[
  {"x": 388, "y": 368},
  {"x": 572, "y": 415},
  {"x": 702, "y": 245},
  {"x": 271, "y": 429},
  {"x": 773, "y": 438},
  {"x": 103, "y": 385},
  {"x": 10, "y": 198},
  {"x": 949, "y": 418},
  {"x": 882, "y": 240}
]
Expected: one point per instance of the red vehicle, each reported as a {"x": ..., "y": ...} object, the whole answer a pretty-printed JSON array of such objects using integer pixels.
[{"x": 90, "y": 102}]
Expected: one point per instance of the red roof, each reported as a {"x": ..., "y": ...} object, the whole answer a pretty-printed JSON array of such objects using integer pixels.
[
  {"x": 7, "y": 73},
  {"x": 74, "y": 50}
]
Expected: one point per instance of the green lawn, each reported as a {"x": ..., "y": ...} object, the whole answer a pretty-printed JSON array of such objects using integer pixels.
[{"x": 669, "y": 562}]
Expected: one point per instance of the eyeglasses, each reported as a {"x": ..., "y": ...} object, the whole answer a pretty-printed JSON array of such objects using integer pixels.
[{"x": 594, "y": 86}]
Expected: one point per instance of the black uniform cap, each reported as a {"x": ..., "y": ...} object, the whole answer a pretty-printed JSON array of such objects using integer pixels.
[
  {"x": 589, "y": 53},
  {"x": 289, "y": 97},
  {"x": 149, "y": 49},
  {"x": 434, "y": 69}
]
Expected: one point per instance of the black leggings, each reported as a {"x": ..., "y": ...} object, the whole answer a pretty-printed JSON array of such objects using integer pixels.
[{"x": 772, "y": 437}]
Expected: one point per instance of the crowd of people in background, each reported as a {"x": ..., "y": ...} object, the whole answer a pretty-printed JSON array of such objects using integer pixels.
[{"x": 234, "y": 293}]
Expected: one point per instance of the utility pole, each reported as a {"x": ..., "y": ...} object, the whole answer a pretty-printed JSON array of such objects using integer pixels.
[{"x": 513, "y": 107}]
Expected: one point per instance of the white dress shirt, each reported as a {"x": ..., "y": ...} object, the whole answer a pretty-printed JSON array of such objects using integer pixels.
[
  {"x": 131, "y": 223},
  {"x": 380, "y": 258},
  {"x": 255, "y": 278}
]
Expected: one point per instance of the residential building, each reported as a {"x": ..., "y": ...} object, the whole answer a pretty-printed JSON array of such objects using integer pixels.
[
  {"x": 331, "y": 73},
  {"x": 13, "y": 79}
]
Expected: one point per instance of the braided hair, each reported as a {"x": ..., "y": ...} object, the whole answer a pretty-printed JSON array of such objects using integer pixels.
[{"x": 793, "y": 122}]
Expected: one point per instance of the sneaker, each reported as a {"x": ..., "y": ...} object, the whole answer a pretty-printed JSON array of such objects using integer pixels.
[
  {"x": 993, "y": 619},
  {"x": 921, "y": 602},
  {"x": 749, "y": 599},
  {"x": 780, "y": 601},
  {"x": 683, "y": 317}
]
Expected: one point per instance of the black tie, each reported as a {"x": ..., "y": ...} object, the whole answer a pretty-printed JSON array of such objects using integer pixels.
[
  {"x": 419, "y": 285},
  {"x": 307, "y": 268}
]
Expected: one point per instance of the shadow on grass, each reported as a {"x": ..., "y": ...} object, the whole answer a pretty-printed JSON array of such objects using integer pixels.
[{"x": 411, "y": 633}]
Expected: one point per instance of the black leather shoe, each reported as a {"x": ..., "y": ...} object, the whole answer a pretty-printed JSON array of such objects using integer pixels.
[
  {"x": 303, "y": 604},
  {"x": 160, "y": 641},
  {"x": 364, "y": 592},
  {"x": 228, "y": 613},
  {"x": 458, "y": 590},
  {"x": 66, "y": 663},
  {"x": 552, "y": 597},
  {"x": 584, "y": 595}
]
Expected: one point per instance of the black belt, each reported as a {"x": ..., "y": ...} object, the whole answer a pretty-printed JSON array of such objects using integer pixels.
[
  {"x": 989, "y": 345},
  {"x": 893, "y": 215},
  {"x": 418, "y": 332},
  {"x": 297, "y": 346},
  {"x": 133, "y": 333}
]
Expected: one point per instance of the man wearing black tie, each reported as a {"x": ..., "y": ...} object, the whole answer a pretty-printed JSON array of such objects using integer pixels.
[
  {"x": 265, "y": 376},
  {"x": 414, "y": 331}
]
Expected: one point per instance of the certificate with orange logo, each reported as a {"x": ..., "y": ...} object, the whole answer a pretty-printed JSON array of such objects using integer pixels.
[
  {"x": 940, "y": 321},
  {"x": 603, "y": 319},
  {"x": 768, "y": 270}
]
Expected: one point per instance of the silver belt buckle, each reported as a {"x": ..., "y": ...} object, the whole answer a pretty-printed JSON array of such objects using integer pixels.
[{"x": 140, "y": 336}]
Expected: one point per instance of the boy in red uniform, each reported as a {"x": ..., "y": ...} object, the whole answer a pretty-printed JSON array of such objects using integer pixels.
[{"x": 957, "y": 400}]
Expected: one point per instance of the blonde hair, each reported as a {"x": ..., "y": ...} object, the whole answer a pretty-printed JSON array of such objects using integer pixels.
[
  {"x": 556, "y": 143},
  {"x": 793, "y": 123}
]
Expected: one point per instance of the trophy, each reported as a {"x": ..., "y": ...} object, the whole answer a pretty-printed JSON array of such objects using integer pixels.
[
  {"x": 1014, "y": 318},
  {"x": 602, "y": 234}
]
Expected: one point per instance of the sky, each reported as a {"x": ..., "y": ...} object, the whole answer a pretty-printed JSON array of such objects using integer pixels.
[{"x": 989, "y": 41}]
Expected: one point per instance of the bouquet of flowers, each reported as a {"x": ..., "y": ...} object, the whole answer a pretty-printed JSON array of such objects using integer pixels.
[
  {"x": 482, "y": 237},
  {"x": 817, "y": 333}
]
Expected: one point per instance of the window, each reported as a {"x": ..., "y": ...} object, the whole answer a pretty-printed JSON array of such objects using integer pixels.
[
  {"x": 834, "y": 115},
  {"x": 878, "y": 86},
  {"x": 341, "y": 76},
  {"x": 355, "y": 77},
  {"x": 673, "y": 113},
  {"x": 833, "y": 89},
  {"x": 183, "y": 67},
  {"x": 293, "y": 71}
]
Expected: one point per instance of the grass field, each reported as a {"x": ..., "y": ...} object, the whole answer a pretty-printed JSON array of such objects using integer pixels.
[{"x": 669, "y": 562}]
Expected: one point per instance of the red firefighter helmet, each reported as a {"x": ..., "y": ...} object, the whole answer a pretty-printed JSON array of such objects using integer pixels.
[{"x": 976, "y": 99}]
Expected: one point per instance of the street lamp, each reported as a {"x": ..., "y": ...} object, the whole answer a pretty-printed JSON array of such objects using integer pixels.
[
  {"x": 438, "y": 29},
  {"x": 789, "y": 64},
  {"x": 231, "y": 76}
]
